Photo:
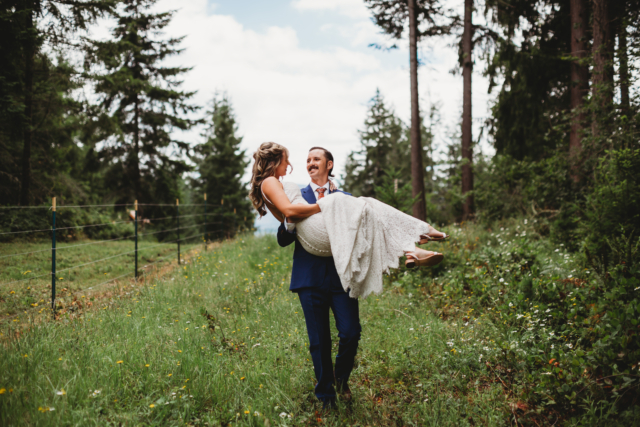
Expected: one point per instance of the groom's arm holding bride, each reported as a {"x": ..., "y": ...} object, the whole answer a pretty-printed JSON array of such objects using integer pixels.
[
  {"x": 285, "y": 237},
  {"x": 287, "y": 229}
]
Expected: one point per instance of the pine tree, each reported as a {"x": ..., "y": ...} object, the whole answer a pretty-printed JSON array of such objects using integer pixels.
[
  {"x": 221, "y": 165},
  {"x": 54, "y": 160},
  {"x": 384, "y": 144},
  {"x": 394, "y": 191},
  {"x": 25, "y": 26},
  {"x": 140, "y": 105}
]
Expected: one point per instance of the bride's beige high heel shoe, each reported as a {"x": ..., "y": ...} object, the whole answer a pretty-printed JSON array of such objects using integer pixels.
[
  {"x": 422, "y": 258},
  {"x": 429, "y": 237}
]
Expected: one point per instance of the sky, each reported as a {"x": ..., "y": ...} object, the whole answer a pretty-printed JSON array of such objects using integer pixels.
[{"x": 301, "y": 72}]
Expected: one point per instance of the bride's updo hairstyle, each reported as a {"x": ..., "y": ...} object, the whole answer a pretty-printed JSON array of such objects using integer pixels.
[{"x": 266, "y": 161}]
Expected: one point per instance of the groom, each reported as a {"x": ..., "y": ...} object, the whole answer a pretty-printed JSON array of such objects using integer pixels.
[{"x": 318, "y": 286}]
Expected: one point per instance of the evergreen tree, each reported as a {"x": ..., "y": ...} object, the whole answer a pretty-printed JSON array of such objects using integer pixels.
[
  {"x": 535, "y": 92},
  {"x": 421, "y": 18},
  {"x": 394, "y": 191},
  {"x": 140, "y": 105},
  {"x": 384, "y": 143},
  {"x": 221, "y": 165},
  {"x": 55, "y": 156},
  {"x": 25, "y": 26}
]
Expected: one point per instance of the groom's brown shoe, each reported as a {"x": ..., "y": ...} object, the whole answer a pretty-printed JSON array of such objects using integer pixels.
[
  {"x": 342, "y": 389},
  {"x": 345, "y": 393}
]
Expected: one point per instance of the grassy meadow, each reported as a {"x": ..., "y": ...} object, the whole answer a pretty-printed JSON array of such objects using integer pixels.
[
  {"x": 221, "y": 341},
  {"x": 25, "y": 267}
]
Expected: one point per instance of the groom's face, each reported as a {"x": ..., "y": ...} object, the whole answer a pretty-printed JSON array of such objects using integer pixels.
[{"x": 318, "y": 166}]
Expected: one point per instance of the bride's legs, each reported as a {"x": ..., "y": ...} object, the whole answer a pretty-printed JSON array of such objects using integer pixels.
[{"x": 421, "y": 258}]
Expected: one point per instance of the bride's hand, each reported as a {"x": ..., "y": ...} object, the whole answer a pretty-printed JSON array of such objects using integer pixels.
[{"x": 332, "y": 186}]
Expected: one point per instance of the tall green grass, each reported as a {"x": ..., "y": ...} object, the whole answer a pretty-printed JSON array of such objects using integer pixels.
[
  {"x": 223, "y": 341},
  {"x": 25, "y": 267}
]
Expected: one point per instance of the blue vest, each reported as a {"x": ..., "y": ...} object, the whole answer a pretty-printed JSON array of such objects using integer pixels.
[{"x": 308, "y": 270}]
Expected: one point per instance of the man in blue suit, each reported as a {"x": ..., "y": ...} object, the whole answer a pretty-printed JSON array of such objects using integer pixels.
[{"x": 318, "y": 286}]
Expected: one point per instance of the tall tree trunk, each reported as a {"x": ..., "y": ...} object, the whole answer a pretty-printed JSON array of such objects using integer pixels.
[
  {"x": 30, "y": 52},
  {"x": 467, "y": 149},
  {"x": 602, "y": 77},
  {"x": 579, "y": 78},
  {"x": 417, "y": 171},
  {"x": 624, "y": 67}
]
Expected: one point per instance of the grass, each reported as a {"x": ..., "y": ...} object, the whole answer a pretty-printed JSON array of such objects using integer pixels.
[
  {"x": 250, "y": 358},
  {"x": 221, "y": 341},
  {"x": 25, "y": 267}
]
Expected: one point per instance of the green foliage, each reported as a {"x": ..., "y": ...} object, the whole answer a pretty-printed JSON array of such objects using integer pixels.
[
  {"x": 394, "y": 192},
  {"x": 536, "y": 78},
  {"x": 508, "y": 187},
  {"x": 612, "y": 209},
  {"x": 55, "y": 116},
  {"x": 563, "y": 336},
  {"x": 384, "y": 144},
  {"x": 221, "y": 165},
  {"x": 57, "y": 161},
  {"x": 140, "y": 106},
  {"x": 386, "y": 149}
]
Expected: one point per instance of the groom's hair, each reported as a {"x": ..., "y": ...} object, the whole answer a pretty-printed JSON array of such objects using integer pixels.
[{"x": 327, "y": 155}]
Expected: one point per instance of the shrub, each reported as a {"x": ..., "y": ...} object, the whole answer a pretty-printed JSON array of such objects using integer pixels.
[{"x": 611, "y": 223}]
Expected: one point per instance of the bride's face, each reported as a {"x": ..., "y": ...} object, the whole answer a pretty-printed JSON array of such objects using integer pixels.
[{"x": 281, "y": 170}]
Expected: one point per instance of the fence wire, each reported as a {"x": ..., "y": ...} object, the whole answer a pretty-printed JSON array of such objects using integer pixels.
[
  {"x": 110, "y": 223},
  {"x": 166, "y": 256},
  {"x": 159, "y": 259}
]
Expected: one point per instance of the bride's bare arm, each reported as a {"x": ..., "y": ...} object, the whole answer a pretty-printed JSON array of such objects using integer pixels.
[{"x": 273, "y": 190}]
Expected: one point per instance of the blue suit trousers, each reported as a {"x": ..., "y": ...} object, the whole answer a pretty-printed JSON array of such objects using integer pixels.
[{"x": 316, "y": 303}]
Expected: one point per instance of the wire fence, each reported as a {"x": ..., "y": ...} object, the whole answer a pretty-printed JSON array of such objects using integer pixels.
[{"x": 165, "y": 250}]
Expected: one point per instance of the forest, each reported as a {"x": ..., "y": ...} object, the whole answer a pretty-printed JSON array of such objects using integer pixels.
[{"x": 549, "y": 223}]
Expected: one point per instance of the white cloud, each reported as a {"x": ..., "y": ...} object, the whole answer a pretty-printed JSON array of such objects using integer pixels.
[
  {"x": 281, "y": 91},
  {"x": 351, "y": 8},
  {"x": 299, "y": 96}
]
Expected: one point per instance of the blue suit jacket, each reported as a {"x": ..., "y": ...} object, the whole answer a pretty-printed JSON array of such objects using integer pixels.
[{"x": 308, "y": 271}]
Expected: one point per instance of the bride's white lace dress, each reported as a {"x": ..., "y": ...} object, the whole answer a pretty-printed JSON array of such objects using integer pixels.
[{"x": 365, "y": 237}]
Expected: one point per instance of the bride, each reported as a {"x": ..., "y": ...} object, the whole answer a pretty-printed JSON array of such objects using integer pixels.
[{"x": 365, "y": 236}]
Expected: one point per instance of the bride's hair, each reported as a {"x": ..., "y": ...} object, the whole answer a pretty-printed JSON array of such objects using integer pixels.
[{"x": 266, "y": 161}]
